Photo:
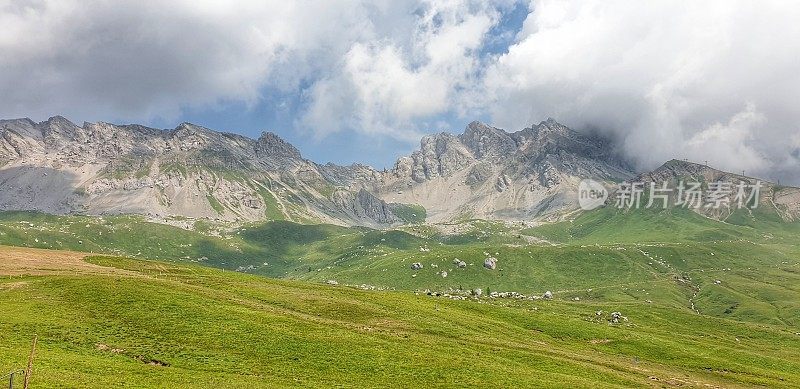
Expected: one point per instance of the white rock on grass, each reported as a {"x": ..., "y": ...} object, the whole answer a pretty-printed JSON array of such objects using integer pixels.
[{"x": 617, "y": 317}]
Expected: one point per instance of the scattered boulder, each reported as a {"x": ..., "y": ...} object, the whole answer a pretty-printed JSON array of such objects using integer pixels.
[
  {"x": 477, "y": 292},
  {"x": 444, "y": 274},
  {"x": 105, "y": 347},
  {"x": 490, "y": 263},
  {"x": 617, "y": 317},
  {"x": 461, "y": 264},
  {"x": 548, "y": 295},
  {"x": 332, "y": 282},
  {"x": 416, "y": 266}
]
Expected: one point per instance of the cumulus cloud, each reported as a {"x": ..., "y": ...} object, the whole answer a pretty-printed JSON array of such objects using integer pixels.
[
  {"x": 143, "y": 59},
  {"x": 708, "y": 80},
  {"x": 389, "y": 86},
  {"x": 714, "y": 80}
]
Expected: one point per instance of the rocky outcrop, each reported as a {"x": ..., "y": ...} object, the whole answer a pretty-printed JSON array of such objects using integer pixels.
[
  {"x": 270, "y": 146},
  {"x": 439, "y": 155},
  {"x": 58, "y": 167},
  {"x": 363, "y": 205},
  {"x": 492, "y": 174},
  {"x": 487, "y": 142}
]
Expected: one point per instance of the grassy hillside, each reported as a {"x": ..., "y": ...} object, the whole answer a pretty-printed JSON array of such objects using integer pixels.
[
  {"x": 610, "y": 225},
  {"x": 669, "y": 259},
  {"x": 133, "y": 323},
  {"x": 134, "y": 236}
]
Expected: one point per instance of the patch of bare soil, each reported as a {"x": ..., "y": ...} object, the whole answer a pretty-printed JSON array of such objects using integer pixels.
[
  {"x": 105, "y": 347},
  {"x": 22, "y": 260}
]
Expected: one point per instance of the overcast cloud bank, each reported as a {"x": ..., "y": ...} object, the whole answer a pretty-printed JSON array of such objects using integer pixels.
[{"x": 711, "y": 80}]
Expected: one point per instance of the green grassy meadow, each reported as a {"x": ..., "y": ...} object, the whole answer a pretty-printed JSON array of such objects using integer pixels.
[
  {"x": 190, "y": 326},
  {"x": 707, "y": 304}
]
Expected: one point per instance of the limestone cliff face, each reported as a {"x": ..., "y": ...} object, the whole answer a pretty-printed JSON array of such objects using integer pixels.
[
  {"x": 489, "y": 173},
  {"x": 98, "y": 168}
]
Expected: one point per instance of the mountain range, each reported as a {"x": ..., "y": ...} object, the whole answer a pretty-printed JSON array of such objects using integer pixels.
[{"x": 192, "y": 172}]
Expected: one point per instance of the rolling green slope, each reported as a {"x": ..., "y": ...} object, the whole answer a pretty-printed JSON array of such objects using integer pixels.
[
  {"x": 670, "y": 259},
  {"x": 154, "y": 324},
  {"x": 610, "y": 225}
]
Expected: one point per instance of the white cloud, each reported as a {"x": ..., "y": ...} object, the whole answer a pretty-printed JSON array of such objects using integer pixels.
[
  {"x": 660, "y": 75},
  {"x": 713, "y": 80},
  {"x": 142, "y": 59},
  {"x": 733, "y": 141},
  {"x": 388, "y": 86}
]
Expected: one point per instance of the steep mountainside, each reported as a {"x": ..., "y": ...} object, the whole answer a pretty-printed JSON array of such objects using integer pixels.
[
  {"x": 58, "y": 167},
  {"x": 100, "y": 168},
  {"x": 193, "y": 172},
  {"x": 488, "y": 173},
  {"x": 774, "y": 202}
]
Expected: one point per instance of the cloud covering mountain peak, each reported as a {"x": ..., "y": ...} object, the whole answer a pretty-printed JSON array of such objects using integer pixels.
[{"x": 712, "y": 80}]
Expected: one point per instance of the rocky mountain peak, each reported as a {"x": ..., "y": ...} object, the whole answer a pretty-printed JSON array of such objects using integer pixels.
[
  {"x": 781, "y": 201},
  {"x": 678, "y": 170},
  {"x": 679, "y": 166},
  {"x": 24, "y": 126},
  {"x": 18, "y": 122},
  {"x": 271, "y": 145},
  {"x": 552, "y": 127},
  {"x": 188, "y": 129},
  {"x": 59, "y": 127},
  {"x": 439, "y": 155},
  {"x": 485, "y": 172},
  {"x": 439, "y": 143},
  {"x": 486, "y": 141},
  {"x": 59, "y": 120},
  {"x": 547, "y": 132}
]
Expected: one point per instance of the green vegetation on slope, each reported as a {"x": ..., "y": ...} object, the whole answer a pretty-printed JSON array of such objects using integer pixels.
[
  {"x": 610, "y": 225},
  {"x": 694, "y": 264},
  {"x": 215, "y": 204},
  {"x": 166, "y": 325},
  {"x": 409, "y": 213}
]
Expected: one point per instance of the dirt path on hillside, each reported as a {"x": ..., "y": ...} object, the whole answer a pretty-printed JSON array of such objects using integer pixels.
[{"x": 23, "y": 260}]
